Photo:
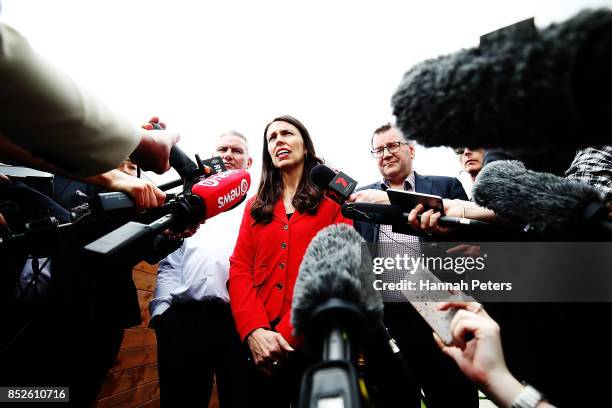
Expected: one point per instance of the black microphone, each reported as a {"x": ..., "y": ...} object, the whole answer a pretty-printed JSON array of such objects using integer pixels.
[
  {"x": 327, "y": 179},
  {"x": 334, "y": 307},
  {"x": 338, "y": 186},
  {"x": 207, "y": 198},
  {"x": 521, "y": 89},
  {"x": 180, "y": 161},
  {"x": 189, "y": 171},
  {"x": 393, "y": 214},
  {"x": 551, "y": 205}
]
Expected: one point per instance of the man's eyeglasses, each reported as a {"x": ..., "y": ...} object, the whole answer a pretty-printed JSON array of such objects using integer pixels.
[{"x": 391, "y": 148}]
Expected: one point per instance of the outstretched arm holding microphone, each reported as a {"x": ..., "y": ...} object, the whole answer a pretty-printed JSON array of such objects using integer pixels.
[{"x": 429, "y": 220}]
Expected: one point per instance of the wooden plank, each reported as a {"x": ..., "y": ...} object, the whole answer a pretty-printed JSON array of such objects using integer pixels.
[
  {"x": 144, "y": 280},
  {"x": 214, "y": 397},
  {"x": 126, "y": 379},
  {"x": 138, "y": 337},
  {"x": 145, "y": 267},
  {"x": 145, "y": 317},
  {"x": 144, "y": 297},
  {"x": 154, "y": 403},
  {"x": 134, "y": 357},
  {"x": 143, "y": 300},
  {"x": 132, "y": 397}
]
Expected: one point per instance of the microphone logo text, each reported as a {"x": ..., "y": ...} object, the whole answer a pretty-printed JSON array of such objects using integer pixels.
[{"x": 233, "y": 194}]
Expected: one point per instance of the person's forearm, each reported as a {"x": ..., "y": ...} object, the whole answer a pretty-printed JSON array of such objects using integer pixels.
[
  {"x": 475, "y": 212},
  {"x": 12, "y": 154},
  {"x": 104, "y": 180},
  {"x": 504, "y": 388},
  {"x": 46, "y": 113},
  {"x": 468, "y": 209}
]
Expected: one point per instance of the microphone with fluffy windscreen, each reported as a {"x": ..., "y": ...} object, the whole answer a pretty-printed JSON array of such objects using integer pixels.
[
  {"x": 551, "y": 205},
  {"x": 332, "y": 269},
  {"x": 521, "y": 89},
  {"x": 334, "y": 307}
]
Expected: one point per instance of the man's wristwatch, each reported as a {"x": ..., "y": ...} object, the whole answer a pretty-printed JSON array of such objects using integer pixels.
[{"x": 528, "y": 398}]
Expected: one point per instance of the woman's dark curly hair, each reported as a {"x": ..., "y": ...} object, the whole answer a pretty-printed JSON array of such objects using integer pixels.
[{"x": 308, "y": 195}]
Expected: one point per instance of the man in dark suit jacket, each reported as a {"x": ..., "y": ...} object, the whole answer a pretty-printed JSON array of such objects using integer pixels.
[{"x": 437, "y": 375}]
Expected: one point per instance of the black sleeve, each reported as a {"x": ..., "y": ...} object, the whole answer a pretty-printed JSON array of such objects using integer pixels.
[{"x": 457, "y": 191}]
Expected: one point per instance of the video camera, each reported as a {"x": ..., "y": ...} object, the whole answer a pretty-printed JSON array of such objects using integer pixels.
[{"x": 132, "y": 236}]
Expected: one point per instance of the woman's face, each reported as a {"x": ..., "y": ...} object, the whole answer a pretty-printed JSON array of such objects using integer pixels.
[{"x": 285, "y": 145}]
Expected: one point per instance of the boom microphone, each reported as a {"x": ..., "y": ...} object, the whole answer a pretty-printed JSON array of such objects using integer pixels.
[
  {"x": 521, "y": 89},
  {"x": 332, "y": 269},
  {"x": 551, "y": 205},
  {"x": 334, "y": 306}
]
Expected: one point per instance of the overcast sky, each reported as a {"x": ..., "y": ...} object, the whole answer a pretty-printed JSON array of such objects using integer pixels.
[{"x": 206, "y": 67}]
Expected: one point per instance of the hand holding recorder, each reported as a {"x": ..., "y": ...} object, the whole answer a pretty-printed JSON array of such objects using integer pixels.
[{"x": 481, "y": 358}]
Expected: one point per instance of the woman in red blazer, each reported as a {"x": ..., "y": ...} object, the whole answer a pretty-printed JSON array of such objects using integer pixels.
[{"x": 277, "y": 226}]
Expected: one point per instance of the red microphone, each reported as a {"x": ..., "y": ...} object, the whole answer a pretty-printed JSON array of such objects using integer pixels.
[
  {"x": 210, "y": 196},
  {"x": 222, "y": 191}
]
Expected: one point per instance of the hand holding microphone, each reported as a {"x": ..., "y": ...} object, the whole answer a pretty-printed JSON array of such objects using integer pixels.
[
  {"x": 155, "y": 157},
  {"x": 373, "y": 205},
  {"x": 153, "y": 151},
  {"x": 434, "y": 222},
  {"x": 426, "y": 221},
  {"x": 144, "y": 193},
  {"x": 203, "y": 198}
]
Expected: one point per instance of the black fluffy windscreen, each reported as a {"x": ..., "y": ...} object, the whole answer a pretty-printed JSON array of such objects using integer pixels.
[
  {"x": 543, "y": 92},
  {"x": 548, "y": 203},
  {"x": 332, "y": 268}
]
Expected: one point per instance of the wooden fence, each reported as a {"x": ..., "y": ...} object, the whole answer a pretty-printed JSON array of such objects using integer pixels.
[{"x": 133, "y": 381}]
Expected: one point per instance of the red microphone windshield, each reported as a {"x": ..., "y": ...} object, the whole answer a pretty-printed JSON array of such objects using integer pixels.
[{"x": 222, "y": 191}]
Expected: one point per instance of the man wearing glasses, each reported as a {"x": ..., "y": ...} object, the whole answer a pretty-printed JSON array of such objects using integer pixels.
[
  {"x": 394, "y": 154},
  {"x": 437, "y": 375}
]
